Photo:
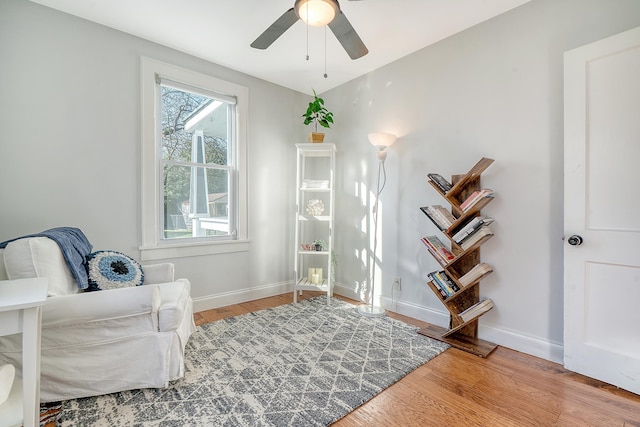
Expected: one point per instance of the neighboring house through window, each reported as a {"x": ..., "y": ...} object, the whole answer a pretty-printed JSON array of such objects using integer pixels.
[{"x": 194, "y": 163}]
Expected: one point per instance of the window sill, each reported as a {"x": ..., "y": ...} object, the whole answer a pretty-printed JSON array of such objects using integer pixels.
[{"x": 153, "y": 253}]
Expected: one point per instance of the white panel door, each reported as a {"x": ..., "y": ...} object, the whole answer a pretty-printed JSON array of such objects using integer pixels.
[{"x": 602, "y": 207}]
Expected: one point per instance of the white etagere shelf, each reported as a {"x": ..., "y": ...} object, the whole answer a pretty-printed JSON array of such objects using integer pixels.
[{"x": 315, "y": 180}]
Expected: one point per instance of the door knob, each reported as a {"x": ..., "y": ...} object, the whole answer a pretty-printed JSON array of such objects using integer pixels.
[{"x": 575, "y": 240}]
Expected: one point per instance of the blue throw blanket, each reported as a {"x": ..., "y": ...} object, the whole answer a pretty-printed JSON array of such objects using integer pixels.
[{"x": 74, "y": 246}]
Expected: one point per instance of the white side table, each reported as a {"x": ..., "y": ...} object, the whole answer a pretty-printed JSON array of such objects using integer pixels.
[{"x": 21, "y": 303}]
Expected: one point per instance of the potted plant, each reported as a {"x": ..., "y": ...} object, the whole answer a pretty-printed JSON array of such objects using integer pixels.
[
  {"x": 318, "y": 115},
  {"x": 320, "y": 245}
]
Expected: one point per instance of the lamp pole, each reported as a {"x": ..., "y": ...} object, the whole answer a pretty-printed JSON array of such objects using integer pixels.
[{"x": 381, "y": 141}]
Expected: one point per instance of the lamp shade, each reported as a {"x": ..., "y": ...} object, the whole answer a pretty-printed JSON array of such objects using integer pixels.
[
  {"x": 382, "y": 140},
  {"x": 316, "y": 12}
]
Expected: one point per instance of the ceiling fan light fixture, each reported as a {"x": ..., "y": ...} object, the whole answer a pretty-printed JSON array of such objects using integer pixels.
[{"x": 316, "y": 12}]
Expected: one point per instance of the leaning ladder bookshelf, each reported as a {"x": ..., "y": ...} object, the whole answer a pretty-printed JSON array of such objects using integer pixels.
[{"x": 459, "y": 295}]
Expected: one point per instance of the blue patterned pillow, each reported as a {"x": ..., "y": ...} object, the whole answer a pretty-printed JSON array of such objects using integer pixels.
[{"x": 112, "y": 270}]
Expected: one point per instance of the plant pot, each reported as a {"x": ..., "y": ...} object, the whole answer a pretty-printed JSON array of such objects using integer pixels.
[
  {"x": 316, "y": 137},
  {"x": 318, "y": 247}
]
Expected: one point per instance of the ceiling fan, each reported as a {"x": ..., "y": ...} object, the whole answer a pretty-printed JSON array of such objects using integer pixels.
[{"x": 316, "y": 13}]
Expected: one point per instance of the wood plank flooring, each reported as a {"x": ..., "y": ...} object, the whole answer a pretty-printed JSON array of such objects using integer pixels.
[{"x": 459, "y": 389}]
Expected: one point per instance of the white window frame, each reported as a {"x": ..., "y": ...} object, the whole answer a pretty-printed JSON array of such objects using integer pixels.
[{"x": 154, "y": 247}]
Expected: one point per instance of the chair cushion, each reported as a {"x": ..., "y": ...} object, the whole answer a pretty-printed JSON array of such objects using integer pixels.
[
  {"x": 112, "y": 270},
  {"x": 39, "y": 257}
]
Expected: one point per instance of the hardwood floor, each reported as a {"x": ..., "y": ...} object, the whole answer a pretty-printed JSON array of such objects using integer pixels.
[{"x": 459, "y": 389}]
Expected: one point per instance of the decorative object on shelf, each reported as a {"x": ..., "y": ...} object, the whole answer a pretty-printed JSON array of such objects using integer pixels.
[
  {"x": 457, "y": 283},
  {"x": 315, "y": 184},
  {"x": 318, "y": 115},
  {"x": 381, "y": 141},
  {"x": 315, "y": 207},
  {"x": 315, "y": 275},
  {"x": 321, "y": 245}
]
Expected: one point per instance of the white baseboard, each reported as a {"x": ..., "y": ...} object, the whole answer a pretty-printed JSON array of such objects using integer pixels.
[
  {"x": 345, "y": 291},
  {"x": 435, "y": 317},
  {"x": 514, "y": 340},
  {"x": 242, "y": 295},
  {"x": 503, "y": 337}
]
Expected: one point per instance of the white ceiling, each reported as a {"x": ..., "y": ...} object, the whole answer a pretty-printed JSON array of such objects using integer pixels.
[{"x": 221, "y": 31}]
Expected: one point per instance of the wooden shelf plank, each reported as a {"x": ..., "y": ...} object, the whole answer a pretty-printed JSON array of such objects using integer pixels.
[
  {"x": 462, "y": 290},
  {"x": 473, "y": 173},
  {"x": 433, "y": 184},
  {"x": 466, "y": 343},
  {"x": 466, "y": 216},
  {"x": 464, "y": 323}
]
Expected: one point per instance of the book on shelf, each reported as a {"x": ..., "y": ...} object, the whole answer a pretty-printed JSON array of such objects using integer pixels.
[
  {"x": 474, "y": 198},
  {"x": 477, "y": 309},
  {"x": 446, "y": 293},
  {"x": 471, "y": 226},
  {"x": 440, "y": 182},
  {"x": 447, "y": 282},
  {"x": 439, "y": 215},
  {"x": 435, "y": 254},
  {"x": 476, "y": 237},
  {"x": 444, "y": 282},
  {"x": 438, "y": 248},
  {"x": 475, "y": 273},
  {"x": 439, "y": 288},
  {"x": 442, "y": 275}
]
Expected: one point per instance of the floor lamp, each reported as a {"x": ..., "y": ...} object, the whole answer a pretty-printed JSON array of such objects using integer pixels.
[{"x": 381, "y": 141}]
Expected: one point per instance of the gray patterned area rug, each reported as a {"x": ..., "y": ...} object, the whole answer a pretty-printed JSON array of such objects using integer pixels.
[{"x": 305, "y": 364}]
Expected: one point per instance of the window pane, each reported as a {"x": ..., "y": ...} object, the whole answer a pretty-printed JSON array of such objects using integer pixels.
[
  {"x": 185, "y": 114},
  {"x": 195, "y": 129},
  {"x": 196, "y": 201},
  {"x": 176, "y": 181},
  {"x": 217, "y": 220}
]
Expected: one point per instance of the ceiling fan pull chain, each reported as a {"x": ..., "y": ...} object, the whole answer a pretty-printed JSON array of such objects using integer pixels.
[
  {"x": 325, "y": 51},
  {"x": 307, "y": 24}
]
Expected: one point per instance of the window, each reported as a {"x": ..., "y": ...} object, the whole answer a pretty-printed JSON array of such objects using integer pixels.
[
  {"x": 193, "y": 157},
  {"x": 198, "y": 163}
]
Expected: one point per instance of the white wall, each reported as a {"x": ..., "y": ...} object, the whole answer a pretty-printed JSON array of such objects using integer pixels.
[
  {"x": 494, "y": 90},
  {"x": 70, "y": 146}
]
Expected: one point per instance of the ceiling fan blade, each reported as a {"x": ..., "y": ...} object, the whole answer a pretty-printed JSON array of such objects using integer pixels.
[
  {"x": 276, "y": 29},
  {"x": 347, "y": 36}
]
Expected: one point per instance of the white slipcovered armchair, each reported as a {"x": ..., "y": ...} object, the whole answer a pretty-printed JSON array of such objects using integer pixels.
[{"x": 105, "y": 341}]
